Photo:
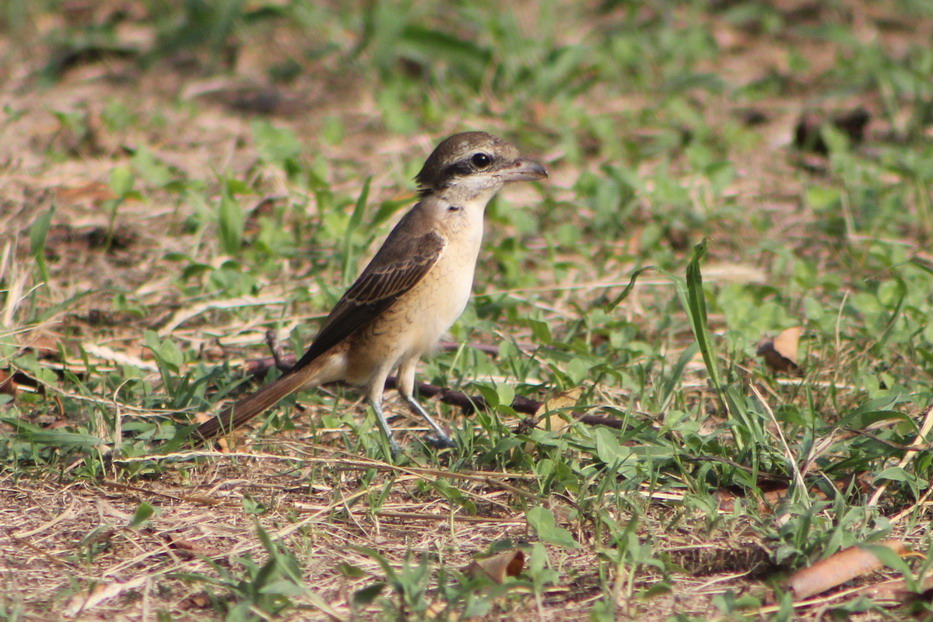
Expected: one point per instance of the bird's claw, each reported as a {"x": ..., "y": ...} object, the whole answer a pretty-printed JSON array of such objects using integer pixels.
[{"x": 440, "y": 442}]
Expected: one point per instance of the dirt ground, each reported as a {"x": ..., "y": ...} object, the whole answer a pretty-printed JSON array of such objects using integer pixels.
[{"x": 67, "y": 549}]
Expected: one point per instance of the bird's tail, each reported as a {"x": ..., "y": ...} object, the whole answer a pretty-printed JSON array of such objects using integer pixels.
[{"x": 248, "y": 407}]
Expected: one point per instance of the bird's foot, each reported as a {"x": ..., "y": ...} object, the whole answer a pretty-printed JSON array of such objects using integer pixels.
[
  {"x": 395, "y": 449},
  {"x": 440, "y": 441}
]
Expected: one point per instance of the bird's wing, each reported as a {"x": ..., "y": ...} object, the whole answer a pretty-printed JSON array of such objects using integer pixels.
[{"x": 399, "y": 265}]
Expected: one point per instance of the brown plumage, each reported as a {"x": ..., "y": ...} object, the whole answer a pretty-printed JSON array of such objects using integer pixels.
[{"x": 413, "y": 289}]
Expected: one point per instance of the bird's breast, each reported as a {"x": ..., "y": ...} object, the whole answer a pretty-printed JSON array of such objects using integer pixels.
[{"x": 442, "y": 294}]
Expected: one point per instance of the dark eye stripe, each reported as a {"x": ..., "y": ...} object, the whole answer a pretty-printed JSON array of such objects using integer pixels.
[{"x": 458, "y": 169}]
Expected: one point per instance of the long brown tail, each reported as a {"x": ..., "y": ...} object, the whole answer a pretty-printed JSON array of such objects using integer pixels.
[{"x": 251, "y": 405}]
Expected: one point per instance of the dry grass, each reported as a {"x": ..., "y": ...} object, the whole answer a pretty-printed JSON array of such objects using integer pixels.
[{"x": 68, "y": 549}]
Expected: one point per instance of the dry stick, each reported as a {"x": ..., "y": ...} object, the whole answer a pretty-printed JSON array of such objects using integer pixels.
[{"x": 278, "y": 357}]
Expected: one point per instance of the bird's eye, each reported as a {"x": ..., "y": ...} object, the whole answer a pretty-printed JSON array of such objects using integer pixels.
[{"x": 481, "y": 160}]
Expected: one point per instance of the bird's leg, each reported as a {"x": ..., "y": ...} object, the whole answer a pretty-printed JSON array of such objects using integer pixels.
[
  {"x": 440, "y": 440},
  {"x": 384, "y": 424},
  {"x": 406, "y": 388}
]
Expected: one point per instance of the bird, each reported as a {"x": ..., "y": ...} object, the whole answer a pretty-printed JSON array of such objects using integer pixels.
[{"x": 415, "y": 287}]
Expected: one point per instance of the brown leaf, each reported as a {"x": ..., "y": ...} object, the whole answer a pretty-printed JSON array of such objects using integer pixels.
[
  {"x": 195, "y": 601},
  {"x": 560, "y": 402},
  {"x": 837, "y": 569},
  {"x": 772, "y": 493},
  {"x": 725, "y": 498},
  {"x": 7, "y": 384},
  {"x": 187, "y": 549},
  {"x": 440, "y": 610},
  {"x": 100, "y": 593},
  {"x": 498, "y": 567},
  {"x": 786, "y": 343},
  {"x": 43, "y": 344},
  {"x": 780, "y": 354}
]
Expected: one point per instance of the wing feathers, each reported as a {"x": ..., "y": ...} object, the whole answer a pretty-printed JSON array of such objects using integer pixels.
[{"x": 398, "y": 266}]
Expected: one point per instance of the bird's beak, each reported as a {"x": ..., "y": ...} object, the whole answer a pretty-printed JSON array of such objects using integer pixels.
[{"x": 523, "y": 170}]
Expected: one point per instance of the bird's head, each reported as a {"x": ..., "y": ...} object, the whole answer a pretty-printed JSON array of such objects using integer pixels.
[{"x": 475, "y": 165}]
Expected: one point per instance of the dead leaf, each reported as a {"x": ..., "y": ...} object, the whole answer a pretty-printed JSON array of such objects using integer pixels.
[
  {"x": 786, "y": 343},
  {"x": 195, "y": 601},
  {"x": 43, "y": 344},
  {"x": 780, "y": 354},
  {"x": 835, "y": 570},
  {"x": 186, "y": 549},
  {"x": 80, "y": 603},
  {"x": 498, "y": 567},
  {"x": 7, "y": 384},
  {"x": 766, "y": 503},
  {"x": 441, "y": 610},
  {"x": 556, "y": 421}
]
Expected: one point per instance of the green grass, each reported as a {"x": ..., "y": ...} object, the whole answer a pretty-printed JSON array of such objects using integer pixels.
[{"x": 154, "y": 231}]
